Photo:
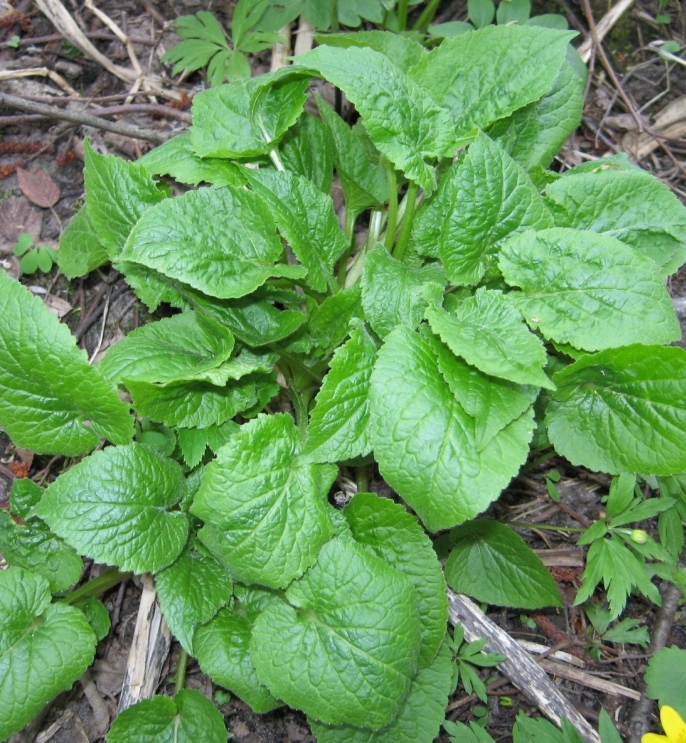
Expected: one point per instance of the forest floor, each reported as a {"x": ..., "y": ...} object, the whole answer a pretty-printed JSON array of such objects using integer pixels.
[{"x": 635, "y": 103}]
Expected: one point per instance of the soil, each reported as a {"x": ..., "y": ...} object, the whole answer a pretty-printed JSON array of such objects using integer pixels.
[{"x": 100, "y": 308}]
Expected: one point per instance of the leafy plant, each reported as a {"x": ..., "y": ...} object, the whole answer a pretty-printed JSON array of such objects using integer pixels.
[
  {"x": 491, "y": 298},
  {"x": 34, "y": 257},
  {"x": 666, "y": 678},
  {"x": 469, "y": 654}
]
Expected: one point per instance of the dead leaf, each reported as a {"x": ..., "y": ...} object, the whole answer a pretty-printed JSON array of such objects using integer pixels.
[
  {"x": 58, "y": 306},
  {"x": 17, "y": 217},
  {"x": 38, "y": 187}
]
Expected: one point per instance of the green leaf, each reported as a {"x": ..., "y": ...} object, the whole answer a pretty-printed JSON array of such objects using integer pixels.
[
  {"x": 394, "y": 294},
  {"x": 513, "y": 11},
  {"x": 587, "y": 289},
  {"x": 409, "y": 128},
  {"x": 240, "y": 246},
  {"x": 420, "y": 716},
  {"x": 493, "y": 564},
  {"x": 465, "y": 232},
  {"x": 268, "y": 503},
  {"x": 488, "y": 333},
  {"x": 97, "y": 615},
  {"x": 307, "y": 149},
  {"x": 24, "y": 244},
  {"x": 364, "y": 182},
  {"x": 343, "y": 644},
  {"x": 306, "y": 219},
  {"x": 118, "y": 193},
  {"x": 115, "y": 506},
  {"x": 403, "y": 51},
  {"x": 168, "y": 350},
  {"x": 51, "y": 409},
  {"x": 80, "y": 249},
  {"x": 223, "y": 650},
  {"x": 607, "y": 730},
  {"x": 391, "y": 533},
  {"x": 24, "y": 497},
  {"x": 29, "y": 262},
  {"x": 480, "y": 12},
  {"x": 246, "y": 118},
  {"x": 33, "y": 547},
  {"x": 339, "y": 423},
  {"x": 44, "y": 647},
  {"x": 186, "y": 718},
  {"x": 628, "y": 631},
  {"x": 177, "y": 159},
  {"x": 666, "y": 678},
  {"x": 622, "y": 410},
  {"x": 191, "y": 590},
  {"x": 630, "y": 205},
  {"x": 484, "y": 76},
  {"x": 425, "y": 442},
  {"x": 329, "y": 323}
]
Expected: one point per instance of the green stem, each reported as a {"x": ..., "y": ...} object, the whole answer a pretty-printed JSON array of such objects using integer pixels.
[
  {"x": 97, "y": 586},
  {"x": 392, "y": 205},
  {"x": 539, "y": 460},
  {"x": 350, "y": 219},
  {"x": 181, "y": 671},
  {"x": 362, "y": 479},
  {"x": 295, "y": 363},
  {"x": 404, "y": 238},
  {"x": 334, "y": 16},
  {"x": 547, "y": 527},
  {"x": 402, "y": 14},
  {"x": 424, "y": 21},
  {"x": 300, "y": 403},
  {"x": 278, "y": 164}
]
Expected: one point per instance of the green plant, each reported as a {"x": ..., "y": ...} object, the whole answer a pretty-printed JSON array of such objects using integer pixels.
[
  {"x": 206, "y": 45},
  {"x": 33, "y": 256},
  {"x": 494, "y": 303},
  {"x": 469, "y": 654}
]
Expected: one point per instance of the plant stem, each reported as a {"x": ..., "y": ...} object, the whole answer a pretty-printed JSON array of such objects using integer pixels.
[
  {"x": 406, "y": 228},
  {"x": 181, "y": 671},
  {"x": 402, "y": 14},
  {"x": 97, "y": 586},
  {"x": 362, "y": 478},
  {"x": 392, "y": 205},
  {"x": 300, "y": 402},
  {"x": 547, "y": 527},
  {"x": 539, "y": 460},
  {"x": 422, "y": 23},
  {"x": 278, "y": 164},
  {"x": 295, "y": 363},
  {"x": 350, "y": 219}
]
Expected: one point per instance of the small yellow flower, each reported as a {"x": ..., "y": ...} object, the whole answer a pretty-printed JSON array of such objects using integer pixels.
[{"x": 673, "y": 725}]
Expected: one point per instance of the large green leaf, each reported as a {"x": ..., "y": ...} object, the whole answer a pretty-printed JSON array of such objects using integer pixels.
[
  {"x": 220, "y": 241},
  {"x": 52, "y": 401},
  {"x": 339, "y": 425},
  {"x": 307, "y": 149},
  {"x": 622, "y": 410},
  {"x": 44, "y": 647},
  {"x": 631, "y": 205},
  {"x": 80, "y": 249},
  {"x": 408, "y": 127},
  {"x": 395, "y": 294},
  {"x": 246, "y": 118},
  {"x": 394, "y": 535},
  {"x": 168, "y": 350},
  {"x": 118, "y": 193},
  {"x": 115, "y": 506},
  {"x": 588, "y": 289},
  {"x": 666, "y": 678},
  {"x": 188, "y": 717},
  {"x": 401, "y": 50},
  {"x": 426, "y": 443},
  {"x": 306, "y": 219},
  {"x": 420, "y": 716},
  {"x": 343, "y": 644},
  {"x": 222, "y": 647},
  {"x": 269, "y": 504},
  {"x": 483, "y": 199},
  {"x": 191, "y": 590},
  {"x": 483, "y": 76},
  {"x": 489, "y": 333},
  {"x": 493, "y": 564}
]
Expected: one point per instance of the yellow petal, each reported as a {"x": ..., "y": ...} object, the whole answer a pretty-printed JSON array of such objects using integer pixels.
[
  {"x": 673, "y": 725},
  {"x": 654, "y": 738}
]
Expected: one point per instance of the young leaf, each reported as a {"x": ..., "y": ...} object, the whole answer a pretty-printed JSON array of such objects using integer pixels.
[
  {"x": 44, "y": 647},
  {"x": 222, "y": 647},
  {"x": 622, "y": 410},
  {"x": 186, "y": 718},
  {"x": 118, "y": 193},
  {"x": 631, "y": 205},
  {"x": 389, "y": 531},
  {"x": 115, "y": 506},
  {"x": 484, "y": 76},
  {"x": 481, "y": 12},
  {"x": 205, "y": 37},
  {"x": 587, "y": 289},
  {"x": 492, "y": 564},
  {"x": 409, "y": 128},
  {"x": 394, "y": 294},
  {"x": 307, "y": 149},
  {"x": 666, "y": 678},
  {"x": 464, "y": 231},
  {"x": 191, "y": 590},
  {"x": 43, "y": 407},
  {"x": 488, "y": 332},
  {"x": 343, "y": 644},
  {"x": 329, "y": 323},
  {"x": 80, "y": 249},
  {"x": 420, "y": 716},
  {"x": 24, "y": 497},
  {"x": 513, "y": 11},
  {"x": 240, "y": 246},
  {"x": 266, "y": 502},
  {"x": 607, "y": 730},
  {"x": 339, "y": 425},
  {"x": 403, "y": 51},
  {"x": 97, "y": 615}
]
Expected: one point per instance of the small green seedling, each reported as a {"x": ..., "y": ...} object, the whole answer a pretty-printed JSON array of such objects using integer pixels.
[{"x": 34, "y": 257}]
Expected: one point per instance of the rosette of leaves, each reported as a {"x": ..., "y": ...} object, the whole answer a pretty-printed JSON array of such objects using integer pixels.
[{"x": 491, "y": 298}]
